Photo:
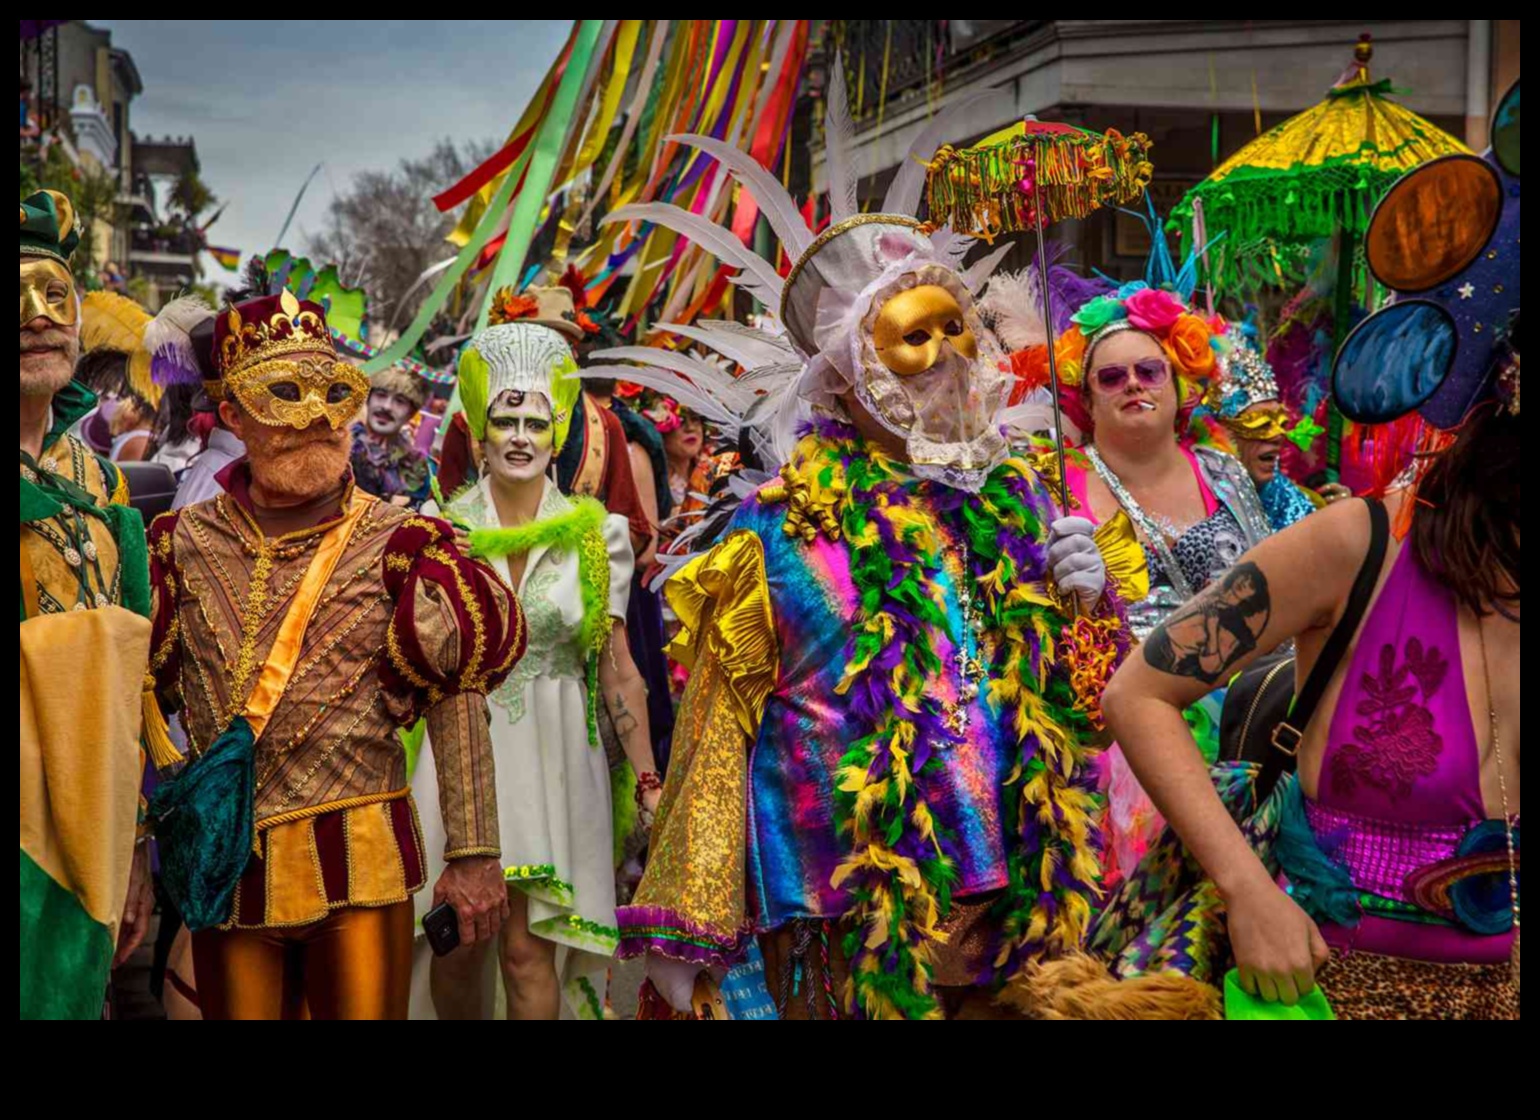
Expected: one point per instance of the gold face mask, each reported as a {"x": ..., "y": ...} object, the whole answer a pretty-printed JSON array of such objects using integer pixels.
[
  {"x": 47, "y": 292},
  {"x": 297, "y": 392},
  {"x": 1260, "y": 421},
  {"x": 914, "y": 326}
]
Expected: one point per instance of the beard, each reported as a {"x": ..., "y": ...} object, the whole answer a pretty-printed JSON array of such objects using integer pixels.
[
  {"x": 300, "y": 465},
  {"x": 47, "y": 361}
]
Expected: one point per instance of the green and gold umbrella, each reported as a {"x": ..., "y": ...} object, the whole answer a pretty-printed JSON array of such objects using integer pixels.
[{"x": 1317, "y": 175}]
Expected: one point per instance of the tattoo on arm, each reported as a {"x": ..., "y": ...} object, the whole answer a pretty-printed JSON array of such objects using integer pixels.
[
  {"x": 1206, "y": 637},
  {"x": 620, "y": 715}
]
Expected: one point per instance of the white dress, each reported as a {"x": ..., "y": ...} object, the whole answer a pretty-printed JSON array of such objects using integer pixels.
[{"x": 553, "y": 785}]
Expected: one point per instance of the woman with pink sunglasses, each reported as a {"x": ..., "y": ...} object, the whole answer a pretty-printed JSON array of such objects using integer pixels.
[{"x": 1133, "y": 364}]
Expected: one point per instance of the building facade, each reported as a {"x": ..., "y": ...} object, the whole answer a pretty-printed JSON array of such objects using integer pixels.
[
  {"x": 77, "y": 93},
  {"x": 1200, "y": 89}
]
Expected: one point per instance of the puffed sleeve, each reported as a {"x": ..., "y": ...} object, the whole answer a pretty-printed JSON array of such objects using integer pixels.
[
  {"x": 691, "y": 903},
  {"x": 617, "y": 542},
  {"x": 456, "y": 632}
]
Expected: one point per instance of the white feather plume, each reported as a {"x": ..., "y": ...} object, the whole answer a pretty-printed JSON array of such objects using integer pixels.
[
  {"x": 839, "y": 143},
  {"x": 756, "y": 273},
  {"x": 777, "y": 206},
  {"x": 747, "y": 350},
  {"x": 979, "y": 271},
  {"x": 908, "y": 184},
  {"x": 719, "y": 383},
  {"x": 1013, "y": 307},
  {"x": 169, "y": 333},
  {"x": 675, "y": 385}
]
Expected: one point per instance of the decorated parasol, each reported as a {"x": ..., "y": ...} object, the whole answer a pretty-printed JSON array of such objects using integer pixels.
[
  {"x": 1316, "y": 176},
  {"x": 1026, "y": 177}
]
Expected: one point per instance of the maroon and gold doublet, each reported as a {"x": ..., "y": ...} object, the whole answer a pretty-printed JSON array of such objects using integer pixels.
[{"x": 405, "y": 627}]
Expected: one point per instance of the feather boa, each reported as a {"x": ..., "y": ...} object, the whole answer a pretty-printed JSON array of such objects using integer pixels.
[
  {"x": 901, "y": 868},
  {"x": 578, "y": 529}
]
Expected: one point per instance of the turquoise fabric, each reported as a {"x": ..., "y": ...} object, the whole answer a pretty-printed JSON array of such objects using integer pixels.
[{"x": 203, "y": 823}]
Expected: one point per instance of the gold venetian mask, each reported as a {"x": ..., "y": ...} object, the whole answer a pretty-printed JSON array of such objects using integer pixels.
[
  {"x": 914, "y": 327},
  {"x": 47, "y": 292},
  {"x": 296, "y": 392},
  {"x": 1261, "y": 421}
]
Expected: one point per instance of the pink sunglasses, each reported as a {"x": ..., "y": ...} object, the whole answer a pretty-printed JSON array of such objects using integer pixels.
[{"x": 1151, "y": 373}]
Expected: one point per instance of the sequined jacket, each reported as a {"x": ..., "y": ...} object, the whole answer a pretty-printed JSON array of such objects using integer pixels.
[
  {"x": 747, "y": 838},
  {"x": 406, "y": 627}
]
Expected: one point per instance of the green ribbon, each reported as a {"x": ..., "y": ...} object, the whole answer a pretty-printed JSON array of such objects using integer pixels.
[
  {"x": 549, "y": 143},
  {"x": 540, "y": 158}
]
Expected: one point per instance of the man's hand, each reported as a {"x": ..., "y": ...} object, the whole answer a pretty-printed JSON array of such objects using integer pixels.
[
  {"x": 1075, "y": 561},
  {"x": 137, "y": 906},
  {"x": 475, "y": 887}
]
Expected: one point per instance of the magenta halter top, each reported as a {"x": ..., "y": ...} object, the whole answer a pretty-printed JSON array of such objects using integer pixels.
[{"x": 1400, "y": 782}]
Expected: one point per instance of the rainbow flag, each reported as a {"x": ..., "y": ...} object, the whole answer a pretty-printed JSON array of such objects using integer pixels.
[{"x": 229, "y": 259}]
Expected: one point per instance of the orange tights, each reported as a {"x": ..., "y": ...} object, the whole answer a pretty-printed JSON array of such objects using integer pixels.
[{"x": 355, "y": 964}]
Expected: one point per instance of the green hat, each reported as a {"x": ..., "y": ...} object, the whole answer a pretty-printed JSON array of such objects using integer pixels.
[{"x": 48, "y": 227}]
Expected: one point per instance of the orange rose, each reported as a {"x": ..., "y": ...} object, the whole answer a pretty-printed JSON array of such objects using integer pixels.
[
  {"x": 1189, "y": 346},
  {"x": 1069, "y": 354}
]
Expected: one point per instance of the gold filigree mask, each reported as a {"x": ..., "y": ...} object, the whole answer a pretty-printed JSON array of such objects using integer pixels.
[
  {"x": 914, "y": 328},
  {"x": 1260, "y": 421},
  {"x": 47, "y": 292},
  {"x": 296, "y": 392}
]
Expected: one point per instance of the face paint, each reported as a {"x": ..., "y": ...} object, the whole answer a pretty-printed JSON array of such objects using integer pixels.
[
  {"x": 47, "y": 292},
  {"x": 388, "y": 412},
  {"x": 520, "y": 437},
  {"x": 915, "y": 327}
]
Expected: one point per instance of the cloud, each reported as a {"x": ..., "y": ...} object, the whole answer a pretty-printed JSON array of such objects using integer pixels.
[{"x": 267, "y": 100}]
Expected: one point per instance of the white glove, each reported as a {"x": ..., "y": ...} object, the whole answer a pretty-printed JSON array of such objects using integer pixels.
[
  {"x": 674, "y": 980},
  {"x": 1075, "y": 561}
]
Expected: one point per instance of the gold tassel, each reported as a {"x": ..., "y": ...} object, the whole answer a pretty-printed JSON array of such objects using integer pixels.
[{"x": 156, "y": 735}]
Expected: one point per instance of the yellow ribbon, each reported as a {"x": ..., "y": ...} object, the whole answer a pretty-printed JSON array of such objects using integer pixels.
[{"x": 284, "y": 656}]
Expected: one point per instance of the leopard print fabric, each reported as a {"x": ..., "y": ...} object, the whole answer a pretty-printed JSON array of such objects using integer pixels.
[{"x": 1368, "y": 986}]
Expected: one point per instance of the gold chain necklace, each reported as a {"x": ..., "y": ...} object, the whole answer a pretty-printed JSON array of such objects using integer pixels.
[{"x": 1502, "y": 786}]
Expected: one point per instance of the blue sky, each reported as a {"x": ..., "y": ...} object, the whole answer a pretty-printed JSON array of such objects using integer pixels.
[{"x": 266, "y": 100}]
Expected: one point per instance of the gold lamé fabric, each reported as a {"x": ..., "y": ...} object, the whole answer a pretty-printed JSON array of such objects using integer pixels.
[
  {"x": 357, "y": 964},
  {"x": 696, "y": 867},
  {"x": 1127, "y": 569},
  {"x": 723, "y": 605}
]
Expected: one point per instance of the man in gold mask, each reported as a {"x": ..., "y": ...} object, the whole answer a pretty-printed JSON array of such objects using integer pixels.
[
  {"x": 299, "y": 624},
  {"x": 85, "y": 639},
  {"x": 880, "y": 771}
]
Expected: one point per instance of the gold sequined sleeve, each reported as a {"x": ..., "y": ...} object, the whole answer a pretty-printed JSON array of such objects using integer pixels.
[{"x": 691, "y": 902}]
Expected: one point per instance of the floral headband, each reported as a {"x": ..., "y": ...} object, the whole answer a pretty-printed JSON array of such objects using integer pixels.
[{"x": 1188, "y": 339}]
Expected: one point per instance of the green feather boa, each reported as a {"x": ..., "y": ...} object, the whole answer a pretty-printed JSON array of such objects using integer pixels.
[{"x": 580, "y": 529}]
